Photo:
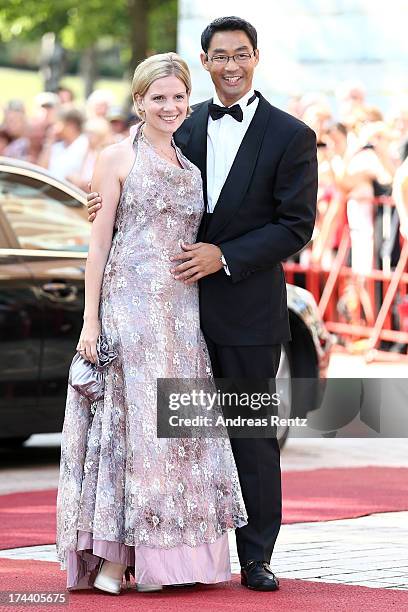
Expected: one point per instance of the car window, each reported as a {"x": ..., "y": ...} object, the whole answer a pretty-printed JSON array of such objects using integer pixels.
[{"x": 42, "y": 216}]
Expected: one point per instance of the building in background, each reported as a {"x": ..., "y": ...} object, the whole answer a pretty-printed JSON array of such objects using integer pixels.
[{"x": 311, "y": 45}]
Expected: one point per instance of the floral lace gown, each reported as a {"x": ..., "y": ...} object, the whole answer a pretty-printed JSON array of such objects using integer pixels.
[{"x": 162, "y": 505}]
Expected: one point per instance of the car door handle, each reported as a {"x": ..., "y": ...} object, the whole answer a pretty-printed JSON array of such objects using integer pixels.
[
  {"x": 60, "y": 291},
  {"x": 54, "y": 286}
]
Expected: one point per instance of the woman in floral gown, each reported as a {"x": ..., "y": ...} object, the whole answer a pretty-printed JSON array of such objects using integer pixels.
[{"x": 160, "y": 506}]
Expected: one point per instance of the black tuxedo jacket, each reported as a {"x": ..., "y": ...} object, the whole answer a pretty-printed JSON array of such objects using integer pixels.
[{"x": 265, "y": 214}]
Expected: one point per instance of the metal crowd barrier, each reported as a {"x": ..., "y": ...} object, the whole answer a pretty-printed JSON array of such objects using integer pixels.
[{"x": 383, "y": 313}]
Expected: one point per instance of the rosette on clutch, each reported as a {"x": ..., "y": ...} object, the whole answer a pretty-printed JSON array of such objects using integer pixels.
[{"x": 89, "y": 378}]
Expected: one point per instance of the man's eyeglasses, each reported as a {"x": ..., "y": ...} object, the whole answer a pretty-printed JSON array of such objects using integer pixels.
[{"x": 239, "y": 58}]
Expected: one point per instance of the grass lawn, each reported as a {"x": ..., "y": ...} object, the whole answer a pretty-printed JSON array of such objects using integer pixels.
[{"x": 25, "y": 84}]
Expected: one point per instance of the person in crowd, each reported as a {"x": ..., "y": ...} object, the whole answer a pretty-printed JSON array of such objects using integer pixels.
[
  {"x": 399, "y": 123},
  {"x": 400, "y": 195},
  {"x": 99, "y": 134},
  {"x": 66, "y": 95},
  {"x": 131, "y": 120},
  {"x": 5, "y": 140},
  {"x": 99, "y": 103},
  {"x": 369, "y": 174},
  {"x": 372, "y": 114},
  {"x": 126, "y": 499},
  {"x": 36, "y": 134},
  {"x": 117, "y": 118},
  {"x": 47, "y": 106},
  {"x": 66, "y": 145},
  {"x": 331, "y": 155},
  {"x": 15, "y": 124},
  {"x": 351, "y": 97}
]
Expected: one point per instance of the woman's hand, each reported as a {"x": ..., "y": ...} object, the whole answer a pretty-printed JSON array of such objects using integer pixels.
[
  {"x": 87, "y": 340},
  {"x": 94, "y": 203}
]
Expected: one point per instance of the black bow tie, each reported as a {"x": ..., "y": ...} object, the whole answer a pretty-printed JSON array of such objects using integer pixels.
[{"x": 216, "y": 111}]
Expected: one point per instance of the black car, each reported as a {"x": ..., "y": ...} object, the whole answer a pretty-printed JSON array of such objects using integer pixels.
[{"x": 44, "y": 234}]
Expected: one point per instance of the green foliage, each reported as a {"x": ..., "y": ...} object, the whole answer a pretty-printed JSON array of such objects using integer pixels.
[
  {"x": 82, "y": 24},
  {"x": 77, "y": 24},
  {"x": 131, "y": 28},
  {"x": 163, "y": 26}
]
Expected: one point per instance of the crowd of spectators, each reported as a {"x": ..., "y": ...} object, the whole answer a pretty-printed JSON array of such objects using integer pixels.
[
  {"x": 62, "y": 136},
  {"x": 362, "y": 152},
  {"x": 363, "y": 184}
]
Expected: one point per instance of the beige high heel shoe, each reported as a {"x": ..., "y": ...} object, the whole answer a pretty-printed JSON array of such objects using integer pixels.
[{"x": 111, "y": 585}]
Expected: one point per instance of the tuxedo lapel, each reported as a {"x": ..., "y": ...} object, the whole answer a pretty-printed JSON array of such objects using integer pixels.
[
  {"x": 239, "y": 177},
  {"x": 195, "y": 148}
]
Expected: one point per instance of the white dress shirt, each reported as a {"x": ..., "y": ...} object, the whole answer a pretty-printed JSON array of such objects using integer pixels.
[{"x": 224, "y": 137}]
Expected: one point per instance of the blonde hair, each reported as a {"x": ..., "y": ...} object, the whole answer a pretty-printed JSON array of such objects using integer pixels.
[{"x": 156, "y": 67}]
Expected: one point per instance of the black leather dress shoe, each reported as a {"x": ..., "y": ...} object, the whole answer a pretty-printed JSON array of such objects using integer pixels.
[{"x": 258, "y": 575}]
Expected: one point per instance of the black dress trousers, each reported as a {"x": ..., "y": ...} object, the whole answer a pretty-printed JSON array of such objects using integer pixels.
[{"x": 257, "y": 459}]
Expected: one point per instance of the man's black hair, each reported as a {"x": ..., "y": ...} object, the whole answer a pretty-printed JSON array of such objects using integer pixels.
[{"x": 223, "y": 24}]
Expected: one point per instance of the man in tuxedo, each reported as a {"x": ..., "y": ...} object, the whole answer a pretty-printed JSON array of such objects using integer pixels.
[{"x": 259, "y": 172}]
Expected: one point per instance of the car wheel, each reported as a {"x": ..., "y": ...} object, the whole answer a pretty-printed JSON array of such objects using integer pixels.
[{"x": 285, "y": 408}]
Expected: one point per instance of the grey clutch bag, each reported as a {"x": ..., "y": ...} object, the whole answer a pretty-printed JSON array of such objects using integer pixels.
[{"x": 89, "y": 378}]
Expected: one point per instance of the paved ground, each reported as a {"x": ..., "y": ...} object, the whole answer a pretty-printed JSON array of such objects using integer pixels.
[{"x": 368, "y": 551}]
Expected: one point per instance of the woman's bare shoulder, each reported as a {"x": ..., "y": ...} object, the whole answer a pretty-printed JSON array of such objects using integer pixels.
[
  {"x": 116, "y": 159},
  {"x": 116, "y": 152}
]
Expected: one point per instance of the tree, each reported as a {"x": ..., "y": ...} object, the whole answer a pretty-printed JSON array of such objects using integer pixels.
[
  {"x": 137, "y": 23},
  {"x": 138, "y": 31},
  {"x": 76, "y": 26}
]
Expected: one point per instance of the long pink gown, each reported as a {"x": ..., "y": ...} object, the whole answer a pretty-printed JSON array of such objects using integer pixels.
[{"x": 163, "y": 506}]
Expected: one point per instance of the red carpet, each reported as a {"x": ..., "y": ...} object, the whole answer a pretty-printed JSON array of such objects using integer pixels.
[
  {"x": 328, "y": 494},
  {"x": 28, "y": 519},
  {"x": 294, "y": 595}
]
